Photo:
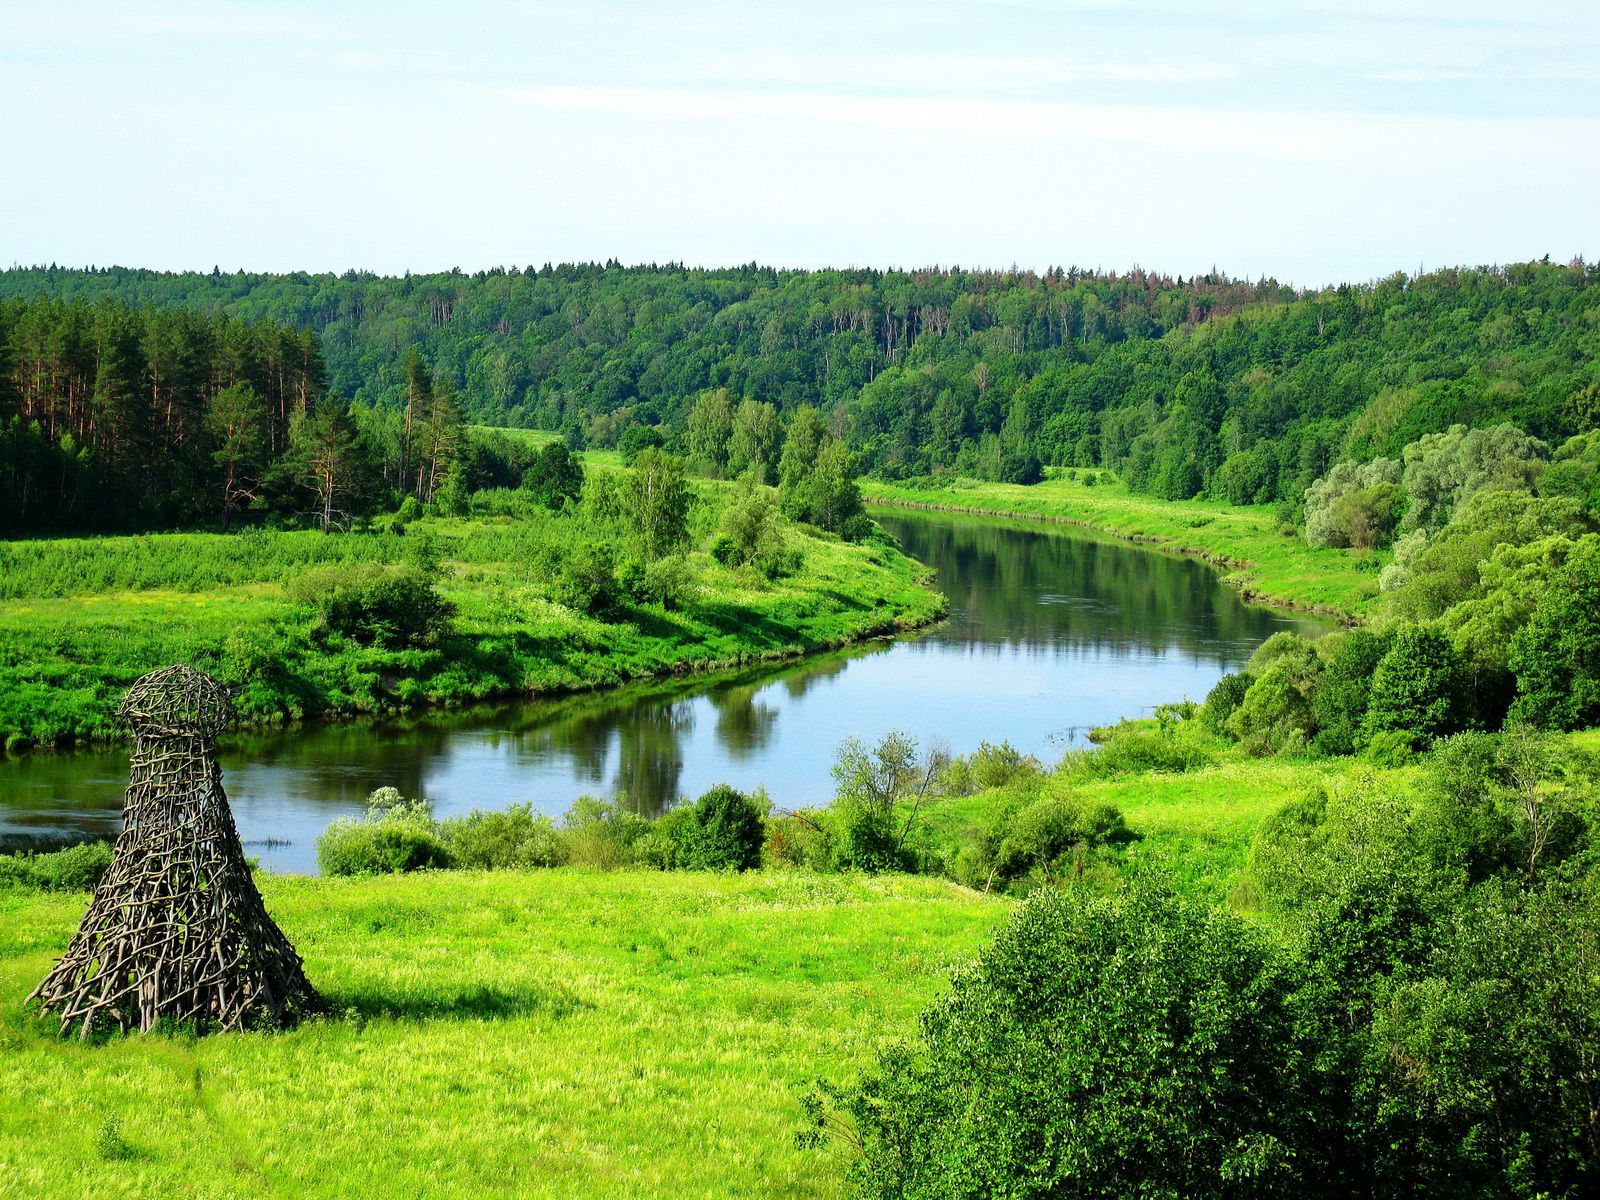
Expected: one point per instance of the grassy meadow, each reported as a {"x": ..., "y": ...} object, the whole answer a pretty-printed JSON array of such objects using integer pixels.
[
  {"x": 555, "y": 1033},
  {"x": 1267, "y": 562},
  {"x": 81, "y": 618}
]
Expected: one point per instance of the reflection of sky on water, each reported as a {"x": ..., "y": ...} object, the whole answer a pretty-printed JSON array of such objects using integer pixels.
[{"x": 1050, "y": 633}]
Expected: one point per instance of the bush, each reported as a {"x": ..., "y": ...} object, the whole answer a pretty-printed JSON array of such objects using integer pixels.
[
  {"x": 1419, "y": 688},
  {"x": 721, "y": 831},
  {"x": 1556, "y": 655},
  {"x": 1345, "y": 689},
  {"x": 1053, "y": 831},
  {"x": 586, "y": 581},
  {"x": 1276, "y": 716},
  {"x": 74, "y": 869},
  {"x": 555, "y": 478},
  {"x": 515, "y": 839},
  {"x": 1133, "y": 749},
  {"x": 395, "y": 836},
  {"x": 1391, "y": 748},
  {"x": 606, "y": 834},
  {"x": 989, "y": 766},
  {"x": 1224, "y": 698},
  {"x": 394, "y": 608},
  {"x": 670, "y": 582},
  {"x": 1101, "y": 1047}
]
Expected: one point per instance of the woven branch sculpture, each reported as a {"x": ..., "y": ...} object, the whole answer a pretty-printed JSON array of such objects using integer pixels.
[{"x": 177, "y": 930}]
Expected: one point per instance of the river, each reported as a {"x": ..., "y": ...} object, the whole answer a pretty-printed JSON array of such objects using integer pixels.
[{"x": 1051, "y": 631}]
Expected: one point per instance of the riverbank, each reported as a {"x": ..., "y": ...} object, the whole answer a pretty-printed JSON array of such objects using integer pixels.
[
  {"x": 80, "y": 619},
  {"x": 1248, "y": 545}
]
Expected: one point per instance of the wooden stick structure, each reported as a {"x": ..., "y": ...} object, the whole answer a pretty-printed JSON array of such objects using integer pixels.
[{"x": 177, "y": 930}]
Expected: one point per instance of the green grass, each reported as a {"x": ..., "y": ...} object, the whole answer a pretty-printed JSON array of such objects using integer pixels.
[
  {"x": 544, "y": 1034},
  {"x": 1246, "y": 543},
  {"x": 80, "y": 619}
]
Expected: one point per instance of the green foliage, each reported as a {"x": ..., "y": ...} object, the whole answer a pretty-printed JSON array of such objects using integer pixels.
[
  {"x": 721, "y": 831},
  {"x": 1039, "y": 840},
  {"x": 1137, "y": 1045},
  {"x": 1419, "y": 688},
  {"x": 1354, "y": 504},
  {"x": 1447, "y": 570},
  {"x": 1443, "y": 469},
  {"x": 608, "y": 835},
  {"x": 637, "y": 439},
  {"x": 71, "y": 869},
  {"x": 395, "y": 836},
  {"x": 555, "y": 477},
  {"x": 671, "y": 582},
  {"x": 1345, "y": 688},
  {"x": 1484, "y": 1047},
  {"x": 515, "y": 838},
  {"x": 1135, "y": 748},
  {"x": 1275, "y": 716},
  {"x": 1224, "y": 698},
  {"x": 752, "y": 531},
  {"x": 989, "y": 766},
  {"x": 395, "y": 608},
  {"x": 656, "y": 504},
  {"x": 871, "y": 782},
  {"x": 586, "y": 580},
  {"x": 1556, "y": 655}
]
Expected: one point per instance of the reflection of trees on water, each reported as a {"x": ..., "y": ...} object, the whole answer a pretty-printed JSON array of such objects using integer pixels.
[
  {"x": 650, "y": 755},
  {"x": 744, "y": 723},
  {"x": 1030, "y": 586},
  {"x": 1011, "y": 585}
]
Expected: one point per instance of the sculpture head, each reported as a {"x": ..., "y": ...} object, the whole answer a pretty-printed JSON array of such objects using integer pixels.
[{"x": 178, "y": 702}]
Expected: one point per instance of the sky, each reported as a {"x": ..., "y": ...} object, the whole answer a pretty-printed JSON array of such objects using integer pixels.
[{"x": 1310, "y": 142}]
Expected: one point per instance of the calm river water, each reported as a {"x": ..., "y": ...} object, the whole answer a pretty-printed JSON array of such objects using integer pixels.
[{"x": 1051, "y": 631}]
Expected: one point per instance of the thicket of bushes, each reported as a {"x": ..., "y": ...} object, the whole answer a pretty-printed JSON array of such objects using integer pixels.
[
  {"x": 1414, "y": 1015},
  {"x": 71, "y": 869}
]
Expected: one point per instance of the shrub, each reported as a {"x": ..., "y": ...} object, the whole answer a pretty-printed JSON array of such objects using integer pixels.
[
  {"x": 1044, "y": 835},
  {"x": 670, "y": 582},
  {"x": 73, "y": 869},
  {"x": 1390, "y": 748},
  {"x": 989, "y": 766},
  {"x": 1418, "y": 688},
  {"x": 555, "y": 478},
  {"x": 1275, "y": 714},
  {"x": 871, "y": 781},
  {"x": 585, "y": 580},
  {"x": 350, "y": 847},
  {"x": 1556, "y": 655},
  {"x": 1131, "y": 1046},
  {"x": 1345, "y": 689},
  {"x": 394, "y": 608},
  {"x": 395, "y": 836},
  {"x": 721, "y": 831},
  {"x": 803, "y": 839},
  {"x": 604, "y": 833},
  {"x": 514, "y": 839},
  {"x": 1133, "y": 749},
  {"x": 1227, "y": 694}
]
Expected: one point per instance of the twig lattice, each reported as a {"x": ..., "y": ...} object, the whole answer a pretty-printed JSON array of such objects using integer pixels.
[{"x": 177, "y": 930}]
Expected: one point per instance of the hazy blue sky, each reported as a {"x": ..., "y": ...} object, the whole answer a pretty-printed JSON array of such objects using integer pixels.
[{"x": 1312, "y": 141}]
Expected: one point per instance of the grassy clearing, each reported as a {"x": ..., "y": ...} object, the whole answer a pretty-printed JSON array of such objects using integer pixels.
[
  {"x": 1247, "y": 543},
  {"x": 80, "y": 619},
  {"x": 1198, "y": 824},
  {"x": 544, "y": 1034}
]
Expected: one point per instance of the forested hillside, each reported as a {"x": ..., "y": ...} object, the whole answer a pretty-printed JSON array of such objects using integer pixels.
[{"x": 1246, "y": 391}]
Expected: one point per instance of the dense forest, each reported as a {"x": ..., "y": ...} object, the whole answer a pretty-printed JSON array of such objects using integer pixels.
[{"x": 1211, "y": 385}]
